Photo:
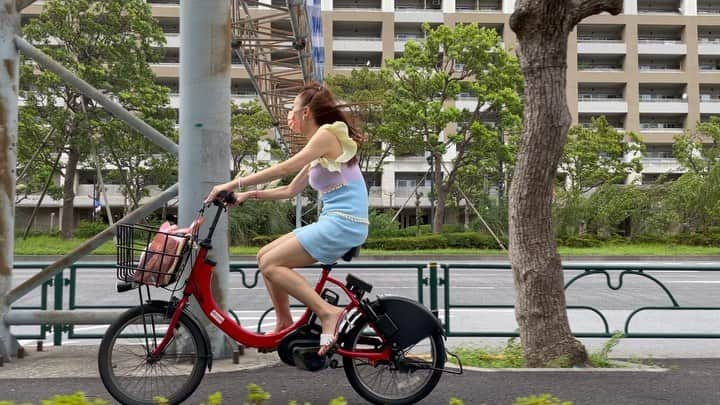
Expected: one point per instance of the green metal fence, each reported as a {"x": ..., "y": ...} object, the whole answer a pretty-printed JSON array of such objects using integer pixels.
[{"x": 435, "y": 278}]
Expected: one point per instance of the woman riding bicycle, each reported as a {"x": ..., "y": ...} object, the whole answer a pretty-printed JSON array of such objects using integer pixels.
[{"x": 328, "y": 162}]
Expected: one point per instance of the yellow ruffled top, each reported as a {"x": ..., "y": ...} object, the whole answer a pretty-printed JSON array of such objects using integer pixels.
[{"x": 349, "y": 147}]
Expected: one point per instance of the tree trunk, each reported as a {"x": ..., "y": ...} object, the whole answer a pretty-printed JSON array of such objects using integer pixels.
[
  {"x": 440, "y": 203},
  {"x": 441, "y": 193},
  {"x": 67, "y": 225},
  {"x": 542, "y": 28}
]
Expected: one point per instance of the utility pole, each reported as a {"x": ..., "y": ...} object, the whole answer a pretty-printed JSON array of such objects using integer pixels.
[
  {"x": 205, "y": 34},
  {"x": 9, "y": 85}
]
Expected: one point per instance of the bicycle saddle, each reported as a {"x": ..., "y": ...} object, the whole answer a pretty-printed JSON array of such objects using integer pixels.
[{"x": 354, "y": 252}]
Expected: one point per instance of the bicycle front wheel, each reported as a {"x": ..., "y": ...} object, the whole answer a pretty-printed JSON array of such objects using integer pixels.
[
  {"x": 392, "y": 383},
  {"x": 133, "y": 376}
]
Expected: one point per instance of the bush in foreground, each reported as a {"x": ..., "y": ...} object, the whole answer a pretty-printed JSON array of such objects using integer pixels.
[{"x": 257, "y": 396}]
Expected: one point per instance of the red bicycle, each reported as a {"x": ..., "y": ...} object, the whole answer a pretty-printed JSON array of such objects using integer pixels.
[{"x": 392, "y": 348}]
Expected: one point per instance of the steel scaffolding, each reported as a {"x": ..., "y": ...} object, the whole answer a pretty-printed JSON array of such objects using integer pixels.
[{"x": 273, "y": 42}]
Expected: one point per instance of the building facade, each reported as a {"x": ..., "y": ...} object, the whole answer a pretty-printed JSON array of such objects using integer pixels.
[{"x": 653, "y": 70}]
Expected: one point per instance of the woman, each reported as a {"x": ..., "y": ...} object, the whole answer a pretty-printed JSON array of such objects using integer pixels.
[{"x": 328, "y": 162}]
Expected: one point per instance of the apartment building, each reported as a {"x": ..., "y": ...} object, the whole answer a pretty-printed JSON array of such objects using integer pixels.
[{"x": 653, "y": 70}]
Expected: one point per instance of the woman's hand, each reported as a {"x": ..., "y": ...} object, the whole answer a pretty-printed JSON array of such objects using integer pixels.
[
  {"x": 229, "y": 187},
  {"x": 241, "y": 198}
]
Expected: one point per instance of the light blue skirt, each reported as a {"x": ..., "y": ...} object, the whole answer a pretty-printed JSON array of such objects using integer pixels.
[{"x": 331, "y": 237}]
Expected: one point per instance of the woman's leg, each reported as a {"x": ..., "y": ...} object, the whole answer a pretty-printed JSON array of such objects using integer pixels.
[
  {"x": 279, "y": 298},
  {"x": 277, "y": 265}
]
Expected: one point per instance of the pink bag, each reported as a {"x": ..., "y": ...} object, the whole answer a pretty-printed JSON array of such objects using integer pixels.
[{"x": 159, "y": 262}]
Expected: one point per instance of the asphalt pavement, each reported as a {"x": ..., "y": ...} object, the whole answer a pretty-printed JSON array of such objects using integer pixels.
[{"x": 68, "y": 369}]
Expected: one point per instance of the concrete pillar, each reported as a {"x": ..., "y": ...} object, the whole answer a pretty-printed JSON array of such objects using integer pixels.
[
  {"x": 9, "y": 84},
  {"x": 205, "y": 32}
]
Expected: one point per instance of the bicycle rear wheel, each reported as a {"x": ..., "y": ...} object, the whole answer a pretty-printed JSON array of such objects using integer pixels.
[
  {"x": 392, "y": 383},
  {"x": 134, "y": 378}
]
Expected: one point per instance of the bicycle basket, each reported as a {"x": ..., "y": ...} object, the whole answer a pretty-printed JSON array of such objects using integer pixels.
[{"x": 147, "y": 255}]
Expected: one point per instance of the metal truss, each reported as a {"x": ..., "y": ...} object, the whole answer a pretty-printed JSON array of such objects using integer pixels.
[{"x": 273, "y": 42}]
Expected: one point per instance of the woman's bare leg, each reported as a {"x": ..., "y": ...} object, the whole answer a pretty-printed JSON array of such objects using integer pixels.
[
  {"x": 279, "y": 298},
  {"x": 277, "y": 265}
]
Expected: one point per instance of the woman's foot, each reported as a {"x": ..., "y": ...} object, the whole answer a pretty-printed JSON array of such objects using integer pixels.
[
  {"x": 281, "y": 325},
  {"x": 330, "y": 329}
]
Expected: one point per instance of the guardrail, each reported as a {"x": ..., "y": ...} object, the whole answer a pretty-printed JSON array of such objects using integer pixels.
[{"x": 435, "y": 278}]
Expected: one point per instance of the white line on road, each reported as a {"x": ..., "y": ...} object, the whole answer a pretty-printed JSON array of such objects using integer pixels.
[{"x": 693, "y": 281}]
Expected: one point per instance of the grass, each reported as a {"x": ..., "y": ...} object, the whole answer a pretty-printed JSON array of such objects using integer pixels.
[
  {"x": 54, "y": 245},
  {"x": 511, "y": 356}
]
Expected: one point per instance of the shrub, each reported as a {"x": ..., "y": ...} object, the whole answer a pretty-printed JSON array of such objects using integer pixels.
[
  {"x": 408, "y": 243},
  {"x": 262, "y": 240},
  {"x": 382, "y": 225},
  {"x": 543, "y": 399},
  {"x": 584, "y": 241},
  {"x": 88, "y": 229},
  {"x": 472, "y": 240},
  {"x": 260, "y": 218},
  {"x": 601, "y": 358}
]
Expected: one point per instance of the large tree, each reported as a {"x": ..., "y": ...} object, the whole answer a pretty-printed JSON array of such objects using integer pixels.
[
  {"x": 109, "y": 44},
  {"x": 250, "y": 128},
  {"x": 699, "y": 151},
  {"x": 593, "y": 156},
  {"x": 542, "y": 28},
  {"x": 429, "y": 76}
]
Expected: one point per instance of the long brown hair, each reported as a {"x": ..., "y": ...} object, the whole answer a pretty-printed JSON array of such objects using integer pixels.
[{"x": 326, "y": 110}]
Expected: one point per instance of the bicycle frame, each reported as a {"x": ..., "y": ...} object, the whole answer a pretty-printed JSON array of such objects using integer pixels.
[{"x": 199, "y": 285}]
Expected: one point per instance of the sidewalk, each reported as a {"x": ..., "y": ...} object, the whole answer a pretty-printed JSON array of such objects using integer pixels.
[
  {"x": 72, "y": 368},
  {"x": 80, "y": 360}
]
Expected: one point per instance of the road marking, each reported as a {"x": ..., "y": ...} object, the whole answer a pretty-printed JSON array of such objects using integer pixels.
[{"x": 693, "y": 281}]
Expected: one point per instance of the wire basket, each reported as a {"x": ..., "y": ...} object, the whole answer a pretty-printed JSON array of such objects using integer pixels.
[{"x": 146, "y": 255}]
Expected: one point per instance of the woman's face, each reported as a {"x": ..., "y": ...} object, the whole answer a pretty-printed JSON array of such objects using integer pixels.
[{"x": 295, "y": 117}]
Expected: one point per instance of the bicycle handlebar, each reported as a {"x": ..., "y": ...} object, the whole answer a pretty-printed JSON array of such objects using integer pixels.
[{"x": 224, "y": 197}]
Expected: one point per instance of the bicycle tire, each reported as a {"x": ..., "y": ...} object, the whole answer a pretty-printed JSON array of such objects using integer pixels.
[
  {"x": 127, "y": 336},
  {"x": 356, "y": 339}
]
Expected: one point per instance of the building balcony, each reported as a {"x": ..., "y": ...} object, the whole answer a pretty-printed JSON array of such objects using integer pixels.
[
  {"x": 478, "y": 6},
  {"x": 710, "y": 105},
  {"x": 600, "y": 67},
  {"x": 663, "y": 106},
  {"x": 701, "y": 10},
  {"x": 669, "y": 127},
  {"x": 419, "y": 12},
  {"x": 709, "y": 46},
  {"x": 610, "y": 46},
  {"x": 660, "y": 164},
  {"x": 237, "y": 98},
  {"x": 599, "y": 105},
  {"x": 350, "y": 44},
  {"x": 371, "y": 5},
  {"x": 661, "y": 47},
  {"x": 660, "y": 68}
]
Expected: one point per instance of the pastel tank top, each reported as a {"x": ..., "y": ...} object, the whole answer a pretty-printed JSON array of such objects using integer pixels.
[{"x": 341, "y": 185}]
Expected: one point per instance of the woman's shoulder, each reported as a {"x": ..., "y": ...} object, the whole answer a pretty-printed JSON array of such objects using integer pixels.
[{"x": 340, "y": 131}]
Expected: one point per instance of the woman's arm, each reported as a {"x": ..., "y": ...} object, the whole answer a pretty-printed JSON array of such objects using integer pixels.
[
  {"x": 296, "y": 186},
  {"x": 322, "y": 143}
]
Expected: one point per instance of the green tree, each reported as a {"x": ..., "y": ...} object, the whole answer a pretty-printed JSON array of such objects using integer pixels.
[
  {"x": 597, "y": 154},
  {"x": 109, "y": 44},
  {"x": 428, "y": 77},
  {"x": 250, "y": 124},
  {"x": 698, "y": 151},
  {"x": 364, "y": 91},
  {"x": 592, "y": 156}
]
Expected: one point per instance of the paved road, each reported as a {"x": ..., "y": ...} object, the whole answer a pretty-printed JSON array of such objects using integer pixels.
[
  {"x": 685, "y": 382},
  {"x": 485, "y": 287}
]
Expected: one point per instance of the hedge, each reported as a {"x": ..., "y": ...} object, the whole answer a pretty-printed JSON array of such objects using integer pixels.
[{"x": 467, "y": 240}]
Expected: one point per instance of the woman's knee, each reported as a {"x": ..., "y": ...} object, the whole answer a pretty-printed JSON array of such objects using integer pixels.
[{"x": 266, "y": 267}]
